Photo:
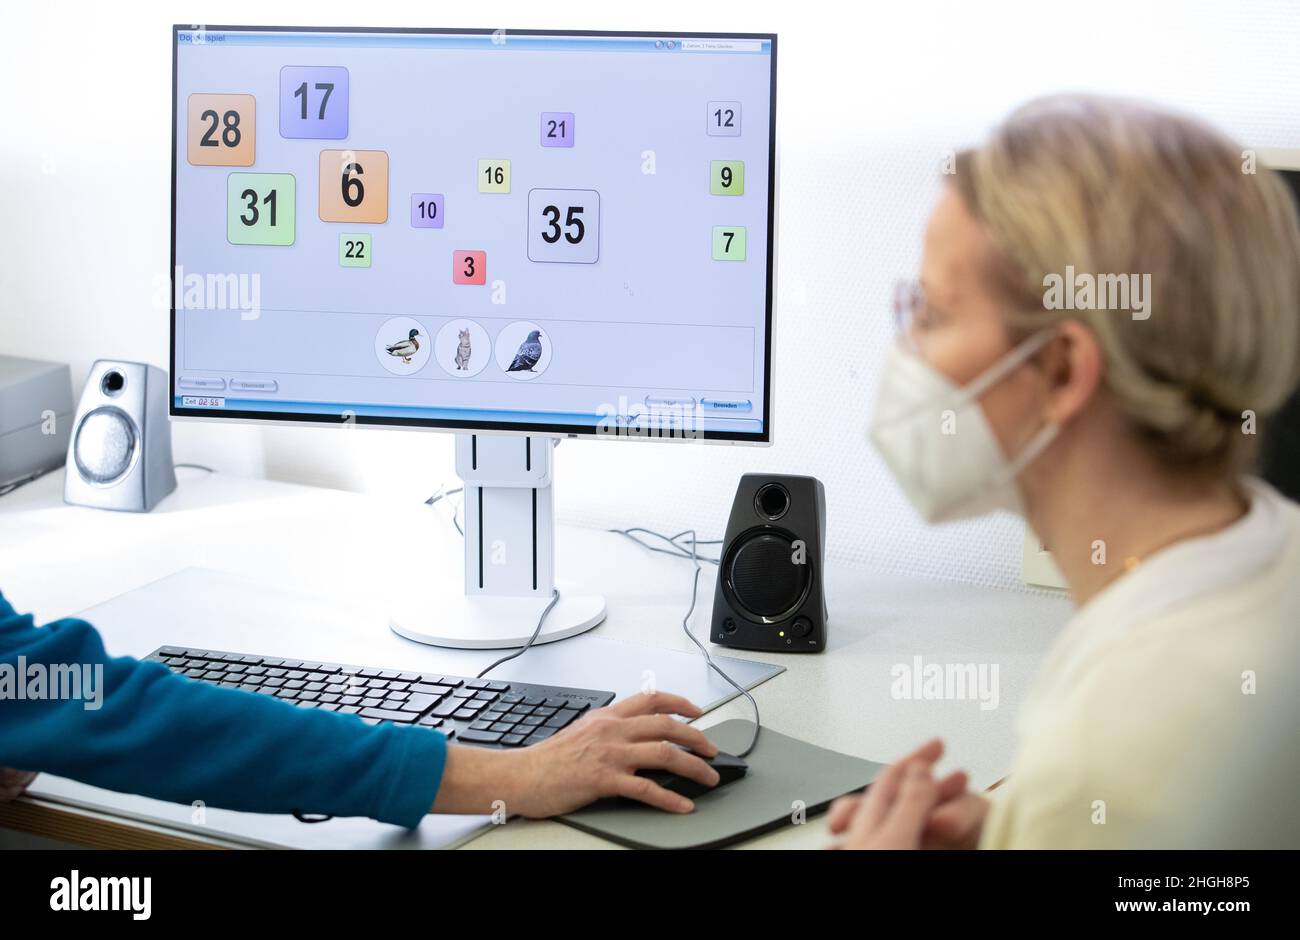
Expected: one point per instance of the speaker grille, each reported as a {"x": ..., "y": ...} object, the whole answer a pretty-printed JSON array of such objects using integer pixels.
[
  {"x": 764, "y": 580},
  {"x": 104, "y": 445}
]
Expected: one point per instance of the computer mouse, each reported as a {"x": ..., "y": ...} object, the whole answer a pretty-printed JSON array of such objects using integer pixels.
[{"x": 729, "y": 768}]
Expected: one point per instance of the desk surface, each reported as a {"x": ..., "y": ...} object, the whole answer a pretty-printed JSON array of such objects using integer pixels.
[{"x": 57, "y": 560}]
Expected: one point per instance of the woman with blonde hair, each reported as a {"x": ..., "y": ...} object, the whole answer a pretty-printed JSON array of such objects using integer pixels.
[{"x": 1109, "y": 304}]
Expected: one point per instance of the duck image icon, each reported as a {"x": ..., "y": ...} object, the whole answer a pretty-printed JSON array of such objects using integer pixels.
[{"x": 405, "y": 349}]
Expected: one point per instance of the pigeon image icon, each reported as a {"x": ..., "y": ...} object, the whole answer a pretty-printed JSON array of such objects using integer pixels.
[
  {"x": 530, "y": 351},
  {"x": 407, "y": 348}
]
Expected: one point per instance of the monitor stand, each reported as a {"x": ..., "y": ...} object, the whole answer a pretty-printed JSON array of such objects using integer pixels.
[{"x": 509, "y": 522}]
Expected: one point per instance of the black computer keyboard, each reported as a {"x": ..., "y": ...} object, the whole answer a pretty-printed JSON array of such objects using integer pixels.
[{"x": 471, "y": 711}]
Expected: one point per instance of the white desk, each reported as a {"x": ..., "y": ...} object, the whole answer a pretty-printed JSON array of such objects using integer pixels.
[{"x": 56, "y": 560}]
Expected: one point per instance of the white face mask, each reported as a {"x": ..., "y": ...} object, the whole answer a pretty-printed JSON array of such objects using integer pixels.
[{"x": 935, "y": 438}]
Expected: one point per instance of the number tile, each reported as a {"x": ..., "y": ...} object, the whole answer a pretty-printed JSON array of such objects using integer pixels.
[
  {"x": 723, "y": 119},
  {"x": 260, "y": 208},
  {"x": 564, "y": 225},
  {"x": 728, "y": 243},
  {"x": 221, "y": 130},
  {"x": 353, "y": 186},
  {"x": 354, "y": 250},
  {"x": 314, "y": 102},
  {"x": 494, "y": 176},
  {"x": 468, "y": 267},
  {"x": 727, "y": 177},
  {"x": 557, "y": 128},
  {"x": 427, "y": 210}
]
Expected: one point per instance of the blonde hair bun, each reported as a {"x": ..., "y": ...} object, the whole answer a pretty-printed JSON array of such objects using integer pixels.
[{"x": 1110, "y": 187}]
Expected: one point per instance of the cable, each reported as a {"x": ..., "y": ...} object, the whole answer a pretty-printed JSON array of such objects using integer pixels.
[
  {"x": 555, "y": 599},
  {"x": 441, "y": 494},
  {"x": 192, "y": 466},
  {"x": 680, "y": 551},
  {"x": 677, "y": 551},
  {"x": 555, "y": 594},
  {"x": 695, "y": 590}
]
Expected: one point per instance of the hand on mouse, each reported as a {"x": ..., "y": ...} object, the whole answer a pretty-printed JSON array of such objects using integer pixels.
[
  {"x": 600, "y": 754},
  {"x": 597, "y": 756},
  {"x": 896, "y": 811}
]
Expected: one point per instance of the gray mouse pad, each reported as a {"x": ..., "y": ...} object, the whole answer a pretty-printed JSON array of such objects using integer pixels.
[{"x": 784, "y": 774}]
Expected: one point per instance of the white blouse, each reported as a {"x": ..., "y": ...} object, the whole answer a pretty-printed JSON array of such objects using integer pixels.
[{"x": 1182, "y": 659}]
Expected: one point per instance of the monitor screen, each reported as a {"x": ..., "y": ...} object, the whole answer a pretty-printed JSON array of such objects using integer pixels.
[{"x": 554, "y": 233}]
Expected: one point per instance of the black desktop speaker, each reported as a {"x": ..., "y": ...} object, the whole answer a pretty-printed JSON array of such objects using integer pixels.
[{"x": 770, "y": 594}]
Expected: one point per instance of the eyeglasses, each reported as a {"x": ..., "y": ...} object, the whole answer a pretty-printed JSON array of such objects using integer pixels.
[{"x": 913, "y": 315}]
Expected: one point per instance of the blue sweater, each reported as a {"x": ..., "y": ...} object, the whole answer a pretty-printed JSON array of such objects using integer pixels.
[{"x": 162, "y": 735}]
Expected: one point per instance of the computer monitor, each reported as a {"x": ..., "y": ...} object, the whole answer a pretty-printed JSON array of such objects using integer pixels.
[{"x": 514, "y": 235}]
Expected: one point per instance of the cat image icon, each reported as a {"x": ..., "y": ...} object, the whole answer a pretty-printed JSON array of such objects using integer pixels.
[
  {"x": 405, "y": 349},
  {"x": 530, "y": 352},
  {"x": 464, "y": 349}
]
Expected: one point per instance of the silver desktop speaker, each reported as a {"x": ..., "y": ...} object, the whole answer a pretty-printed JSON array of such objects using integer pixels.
[{"x": 120, "y": 456}]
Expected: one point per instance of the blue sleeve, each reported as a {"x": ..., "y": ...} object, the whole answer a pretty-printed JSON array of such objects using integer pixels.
[{"x": 162, "y": 735}]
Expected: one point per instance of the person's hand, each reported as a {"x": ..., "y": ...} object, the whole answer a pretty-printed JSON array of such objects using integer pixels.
[
  {"x": 598, "y": 755},
  {"x": 957, "y": 823},
  {"x": 896, "y": 809},
  {"x": 13, "y": 783}
]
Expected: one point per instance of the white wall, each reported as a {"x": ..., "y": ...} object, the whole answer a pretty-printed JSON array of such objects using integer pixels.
[{"x": 871, "y": 98}]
